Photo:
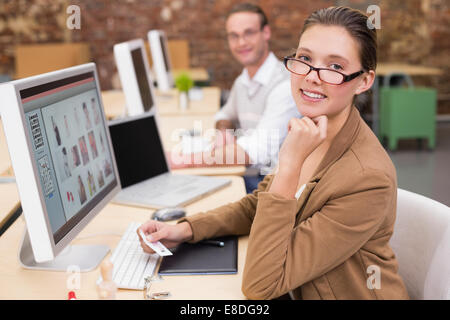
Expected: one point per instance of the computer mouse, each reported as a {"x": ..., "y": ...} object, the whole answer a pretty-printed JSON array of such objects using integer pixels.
[{"x": 167, "y": 214}]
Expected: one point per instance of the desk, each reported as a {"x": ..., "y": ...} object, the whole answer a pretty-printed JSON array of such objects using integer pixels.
[
  {"x": 9, "y": 202},
  {"x": 207, "y": 103},
  {"x": 172, "y": 123},
  {"x": 196, "y": 74},
  {"x": 383, "y": 69},
  {"x": 18, "y": 283},
  {"x": 171, "y": 127},
  {"x": 167, "y": 103},
  {"x": 9, "y": 197},
  {"x": 5, "y": 161},
  {"x": 214, "y": 171}
]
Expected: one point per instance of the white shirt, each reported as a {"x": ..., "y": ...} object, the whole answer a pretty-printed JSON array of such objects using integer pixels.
[
  {"x": 262, "y": 106},
  {"x": 300, "y": 191}
]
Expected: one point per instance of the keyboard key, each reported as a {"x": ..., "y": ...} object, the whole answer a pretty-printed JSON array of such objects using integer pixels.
[{"x": 131, "y": 263}]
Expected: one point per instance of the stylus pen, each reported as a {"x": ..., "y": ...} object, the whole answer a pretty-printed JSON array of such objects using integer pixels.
[{"x": 213, "y": 243}]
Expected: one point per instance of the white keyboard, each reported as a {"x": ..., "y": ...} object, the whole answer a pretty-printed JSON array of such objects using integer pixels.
[{"x": 131, "y": 264}]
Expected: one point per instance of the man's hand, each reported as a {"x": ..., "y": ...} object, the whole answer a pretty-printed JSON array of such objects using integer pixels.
[
  {"x": 224, "y": 137},
  {"x": 224, "y": 124}
]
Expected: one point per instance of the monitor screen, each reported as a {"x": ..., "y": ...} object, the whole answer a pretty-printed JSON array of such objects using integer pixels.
[
  {"x": 142, "y": 80},
  {"x": 70, "y": 147},
  {"x": 138, "y": 150},
  {"x": 164, "y": 52}
]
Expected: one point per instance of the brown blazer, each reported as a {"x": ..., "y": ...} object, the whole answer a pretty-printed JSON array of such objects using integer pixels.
[{"x": 326, "y": 244}]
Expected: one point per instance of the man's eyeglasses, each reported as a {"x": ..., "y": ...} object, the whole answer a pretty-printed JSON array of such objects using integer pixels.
[
  {"x": 326, "y": 75},
  {"x": 246, "y": 36}
]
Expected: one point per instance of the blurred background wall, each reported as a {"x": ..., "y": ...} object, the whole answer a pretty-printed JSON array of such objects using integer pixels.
[{"x": 412, "y": 31}]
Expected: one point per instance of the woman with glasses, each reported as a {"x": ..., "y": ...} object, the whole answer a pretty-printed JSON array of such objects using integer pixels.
[{"x": 319, "y": 227}]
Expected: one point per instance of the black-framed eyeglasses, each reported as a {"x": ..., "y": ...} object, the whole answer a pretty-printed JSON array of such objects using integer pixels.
[
  {"x": 326, "y": 75},
  {"x": 246, "y": 36}
]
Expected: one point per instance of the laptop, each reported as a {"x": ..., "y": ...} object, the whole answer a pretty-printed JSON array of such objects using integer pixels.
[{"x": 144, "y": 170}]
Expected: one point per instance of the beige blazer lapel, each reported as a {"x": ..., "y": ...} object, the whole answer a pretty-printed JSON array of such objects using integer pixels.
[{"x": 340, "y": 144}]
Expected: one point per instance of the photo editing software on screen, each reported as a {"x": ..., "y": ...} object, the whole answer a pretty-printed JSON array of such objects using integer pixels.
[{"x": 69, "y": 143}]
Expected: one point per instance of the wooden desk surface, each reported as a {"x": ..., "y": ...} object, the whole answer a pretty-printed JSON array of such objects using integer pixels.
[
  {"x": 107, "y": 228},
  {"x": 167, "y": 103},
  {"x": 9, "y": 201},
  {"x": 412, "y": 70},
  {"x": 197, "y": 74},
  {"x": 207, "y": 102},
  {"x": 213, "y": 171},
  {"x": 171, "y": 127},
  {"x": 9, "y": 196},
  {"x": 5, "y": 161}
]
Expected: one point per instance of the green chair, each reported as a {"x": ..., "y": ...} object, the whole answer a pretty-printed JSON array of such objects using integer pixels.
[{"x": 407, "y": 112}]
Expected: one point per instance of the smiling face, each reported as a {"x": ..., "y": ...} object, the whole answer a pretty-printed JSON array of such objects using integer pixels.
[
  {"x": 247, "y": 41},
  {"x": 331, "y": 47}
]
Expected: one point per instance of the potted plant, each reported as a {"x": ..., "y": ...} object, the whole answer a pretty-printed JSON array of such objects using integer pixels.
[{"x": 183, "y": 83}]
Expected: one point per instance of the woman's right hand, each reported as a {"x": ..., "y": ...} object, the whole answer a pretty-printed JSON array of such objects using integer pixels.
[
  {"x": 304, "y": 135},
  {"x": 169, "y": 235}
]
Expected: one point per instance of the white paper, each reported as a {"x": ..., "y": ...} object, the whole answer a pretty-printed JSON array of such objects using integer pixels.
[{"x": 157, "y": 246}]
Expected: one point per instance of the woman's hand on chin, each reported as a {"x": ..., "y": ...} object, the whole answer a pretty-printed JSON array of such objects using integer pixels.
[{"x": 304, "y": 136}]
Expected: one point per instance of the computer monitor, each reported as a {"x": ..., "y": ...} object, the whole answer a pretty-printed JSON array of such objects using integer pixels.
[
  {"x": 134, "y": 73},
  {"x": 161, "y": 59},
  {"x": 61, "y": 153}
]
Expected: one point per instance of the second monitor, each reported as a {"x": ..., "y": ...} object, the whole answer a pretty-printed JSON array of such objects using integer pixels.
[
  {"x": 161, "y": 59},
  {"x": 134, "y": 73}
]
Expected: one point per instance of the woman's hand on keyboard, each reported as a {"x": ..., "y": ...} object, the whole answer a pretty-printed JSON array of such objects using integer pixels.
[{"x": 169, "y": 235}]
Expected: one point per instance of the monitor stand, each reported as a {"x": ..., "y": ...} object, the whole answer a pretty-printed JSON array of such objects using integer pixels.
[{"x": 83, "y": 257}]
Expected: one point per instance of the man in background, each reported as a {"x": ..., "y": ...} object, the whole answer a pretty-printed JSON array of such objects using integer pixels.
[{"x": 253, "y": 122}]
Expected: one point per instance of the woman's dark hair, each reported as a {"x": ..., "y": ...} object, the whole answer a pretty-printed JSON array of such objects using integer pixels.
[
  {"x": 355, "y": 22},
  {"x": 250, "y": 7}
]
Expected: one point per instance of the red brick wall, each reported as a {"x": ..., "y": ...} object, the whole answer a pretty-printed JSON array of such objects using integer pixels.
[{"x": 413, "y": 31}]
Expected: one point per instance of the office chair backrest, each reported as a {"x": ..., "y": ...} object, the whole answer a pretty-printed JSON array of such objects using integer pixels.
[{"x": 421, "y": 242}]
